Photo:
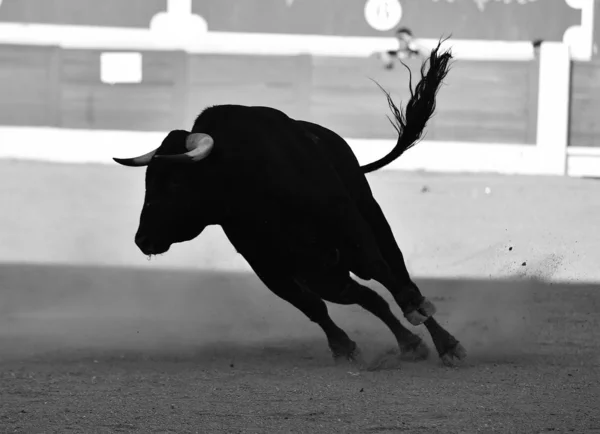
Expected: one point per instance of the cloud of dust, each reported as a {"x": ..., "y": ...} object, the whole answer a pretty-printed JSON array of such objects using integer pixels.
[
  {"x": 494, "y": 321},
  {"x": 49, "y": 308},
  {"x": 46, "y": 308}
]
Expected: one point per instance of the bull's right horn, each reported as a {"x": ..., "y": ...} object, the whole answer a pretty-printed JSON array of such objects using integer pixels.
[
  {"x": 198, "y": 145},
  {"x": 142, "y": 160}
]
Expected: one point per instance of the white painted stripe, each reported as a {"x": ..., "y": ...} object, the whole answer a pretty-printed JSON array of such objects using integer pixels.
[
  {"x": 553, "y": 104},
  {"x": 580, "y": 165},
  {"x": 445, "y": 156},
  {"x": 99, "y": 146},
  {"x": 74, "y": 145},
  {"x": 583, "y": 151},
  {"x": 186, "y": 259},
  {"x": 119, "y": 38}
]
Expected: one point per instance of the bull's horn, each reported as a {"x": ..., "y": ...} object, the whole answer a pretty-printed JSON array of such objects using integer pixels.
[
  {"x": 140, "y": 161},
  {"x": 199, "y": 146}
]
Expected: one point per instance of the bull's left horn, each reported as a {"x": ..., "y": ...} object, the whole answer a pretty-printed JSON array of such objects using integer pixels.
[
  {"x": 199, "y": 146},
  {"x": 142, "y": 160}
]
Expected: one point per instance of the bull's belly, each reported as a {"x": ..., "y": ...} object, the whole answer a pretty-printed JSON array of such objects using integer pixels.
[{"x": 302, "y": 246}]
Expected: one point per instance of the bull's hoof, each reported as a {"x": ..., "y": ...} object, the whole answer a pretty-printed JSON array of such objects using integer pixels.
[
  {"x": 415, "y": 317},
  {"x": 414, "y": 352},
  {"x": 456, "y": 353},
  {"x": 427, "y": 308}
]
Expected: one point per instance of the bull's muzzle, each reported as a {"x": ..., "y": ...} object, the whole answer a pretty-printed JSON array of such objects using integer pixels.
[{"x": 148, "y": 247}]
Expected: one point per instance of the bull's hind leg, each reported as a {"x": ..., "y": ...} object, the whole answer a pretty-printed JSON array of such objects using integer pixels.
[
  {"x": 448, "y": 348},
  {"x": 396, "y": 279},
  {"x": 341, "y": 346},
  {"x": 417, "y": 309}
]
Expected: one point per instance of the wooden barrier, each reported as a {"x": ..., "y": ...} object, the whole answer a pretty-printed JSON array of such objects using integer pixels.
[
  {"x": 583, "y": 152},
  {"x": 282, "y": 82},
  {"x": 585, "y": 105},
  {"x": 480, "y": 102},
  {"x": 28, "y": 85},
  {"x": 152, "y": 105},
  {"x": 48, "y": 86}
]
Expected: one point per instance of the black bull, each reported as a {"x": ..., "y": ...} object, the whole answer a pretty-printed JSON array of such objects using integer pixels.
[{"x": 295, "y": 203}]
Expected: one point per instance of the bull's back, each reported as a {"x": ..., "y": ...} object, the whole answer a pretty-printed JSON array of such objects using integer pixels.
[{"x": 341, "y": 157}]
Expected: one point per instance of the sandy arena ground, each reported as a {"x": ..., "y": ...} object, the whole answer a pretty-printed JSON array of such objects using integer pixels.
[{"x": 95, "y": 339}]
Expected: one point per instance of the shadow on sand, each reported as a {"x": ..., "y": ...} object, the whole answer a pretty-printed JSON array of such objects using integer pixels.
[{"x": 206, "y": 315}]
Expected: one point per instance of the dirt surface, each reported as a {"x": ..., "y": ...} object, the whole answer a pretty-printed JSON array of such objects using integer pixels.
[{"x": 121, "y": 346}]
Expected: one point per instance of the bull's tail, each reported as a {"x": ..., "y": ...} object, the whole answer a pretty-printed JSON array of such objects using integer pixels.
[{"x": 419, "y": 109}]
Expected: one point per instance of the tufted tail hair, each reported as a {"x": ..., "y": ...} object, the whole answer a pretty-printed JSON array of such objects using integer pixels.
[{"x": 421, "y": 106}]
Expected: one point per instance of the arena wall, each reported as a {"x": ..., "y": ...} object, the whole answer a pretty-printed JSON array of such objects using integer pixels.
[
  {"x": 489, "y": 20},
  {"x": 505, "y": 108},
  {"x": 53, "y": 87}
]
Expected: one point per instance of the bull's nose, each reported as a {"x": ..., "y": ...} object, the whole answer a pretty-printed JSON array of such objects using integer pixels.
[
  {"x": 142, "y": 242},
  {"x": 148, "y": 247}
]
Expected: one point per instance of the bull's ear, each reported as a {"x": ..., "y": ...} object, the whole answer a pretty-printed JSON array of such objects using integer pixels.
[
  {"x": 142, "y": 160},
  {"x": 199, "y": 146}
]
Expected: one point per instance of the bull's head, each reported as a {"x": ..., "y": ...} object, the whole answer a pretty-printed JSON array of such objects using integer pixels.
[{"x": 171, "y": 211}]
